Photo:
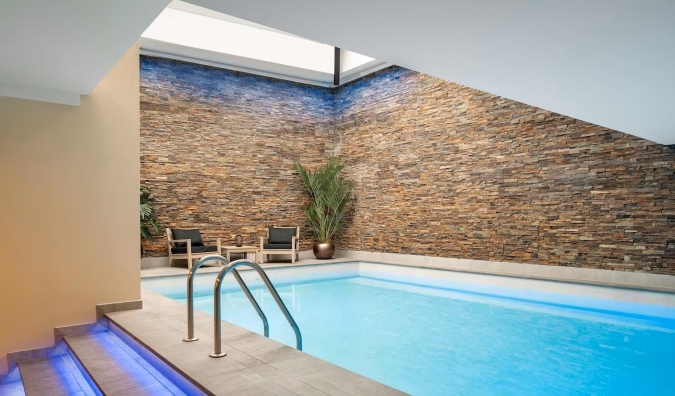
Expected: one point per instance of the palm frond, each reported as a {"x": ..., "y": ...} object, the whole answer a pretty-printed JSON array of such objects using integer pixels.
[
  {"x": 148, "y": 219},
  {"x": 329, "y": 195}
]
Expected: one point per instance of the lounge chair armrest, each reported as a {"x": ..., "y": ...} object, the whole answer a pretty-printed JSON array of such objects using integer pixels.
[
  {"x": 216, "y": 240},
  {"x": 218, "y": 251},
  {"x": 188, "y": 241}
]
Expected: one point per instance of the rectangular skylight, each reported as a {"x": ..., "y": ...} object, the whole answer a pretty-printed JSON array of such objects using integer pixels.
[{"x": 212, "y": 34}]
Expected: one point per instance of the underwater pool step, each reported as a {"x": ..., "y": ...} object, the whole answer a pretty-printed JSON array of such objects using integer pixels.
[
  {"x": 53, "y": 376},
  {"x": 115, "y": 368}
]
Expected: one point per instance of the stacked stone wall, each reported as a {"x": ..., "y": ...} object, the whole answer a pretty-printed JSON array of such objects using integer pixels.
[{"x": 440, "y": 169}]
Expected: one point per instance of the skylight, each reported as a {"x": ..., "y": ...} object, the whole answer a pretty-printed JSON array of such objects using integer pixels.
[
  {"x": 198, "y": 31},
  {"x": 188, "y": 32}
]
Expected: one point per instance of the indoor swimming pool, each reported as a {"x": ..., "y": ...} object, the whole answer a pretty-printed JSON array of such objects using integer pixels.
[{"x": 429, "y": 332}]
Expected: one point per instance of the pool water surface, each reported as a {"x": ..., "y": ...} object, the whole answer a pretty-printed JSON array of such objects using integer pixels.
[{"x": 434, "y": 341}]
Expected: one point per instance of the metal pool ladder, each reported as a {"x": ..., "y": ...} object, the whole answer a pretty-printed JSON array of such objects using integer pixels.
[
  {"x": 190, "y": 294},
  {"x": 231, "y": 267}
]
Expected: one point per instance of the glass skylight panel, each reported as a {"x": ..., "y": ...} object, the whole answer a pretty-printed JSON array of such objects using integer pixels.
[
  {"x": 350, "y": 60},
  {"x": 211, "y": 34}
]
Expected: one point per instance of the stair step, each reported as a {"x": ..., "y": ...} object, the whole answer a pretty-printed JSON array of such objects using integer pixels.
[
  {"x": 115, "y": 368},
  {"x": 53, "y": 376},
  {"x": 11, "y": 384}
]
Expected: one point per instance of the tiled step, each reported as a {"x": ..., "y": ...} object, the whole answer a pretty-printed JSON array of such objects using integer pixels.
[
  {"x": 53, "y": 376},
  {"x": 10, "y": 383},
  {"x": 115, "y": 368}
]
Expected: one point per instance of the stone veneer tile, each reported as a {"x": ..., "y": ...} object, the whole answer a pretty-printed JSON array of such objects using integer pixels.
[
  {"x": 440, "y": 169},
  {"x": 446, "y": 170},
  {"x": 218, "y": 147}
]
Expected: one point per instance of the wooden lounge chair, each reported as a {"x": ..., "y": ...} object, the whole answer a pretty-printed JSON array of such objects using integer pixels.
[
  {"x": 281, "y": 240},
  {"x": 188, "y": 244}
]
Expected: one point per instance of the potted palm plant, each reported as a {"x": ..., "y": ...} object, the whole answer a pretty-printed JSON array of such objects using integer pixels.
[{"x": 329, "y": 194}]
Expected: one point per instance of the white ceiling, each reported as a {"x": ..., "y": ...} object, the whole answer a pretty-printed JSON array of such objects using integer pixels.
[
  {"x": 609, "y": 62},
  {"x": 58, "y": 50}
]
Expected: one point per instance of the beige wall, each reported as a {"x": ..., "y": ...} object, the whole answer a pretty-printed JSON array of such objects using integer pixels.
[{"x": 68, "y": 208}]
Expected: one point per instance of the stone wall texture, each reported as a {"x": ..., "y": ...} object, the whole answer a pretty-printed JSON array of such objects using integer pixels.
[
  {"x": 218, "y": 147},
  {"x": 445, "y": 170},
  {"x": 440, "y": 169}
]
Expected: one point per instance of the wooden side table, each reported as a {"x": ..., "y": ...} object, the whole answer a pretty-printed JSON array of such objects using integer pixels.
[{"x": 241, "y": 249}]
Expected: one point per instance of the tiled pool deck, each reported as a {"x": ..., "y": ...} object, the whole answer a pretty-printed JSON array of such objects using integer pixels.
[
  {"x": 587, "y": 276},
  {"x": 258, "y": 365},
  {"x": 254, "y": 364},
  {"x": 178, "y": 270}
]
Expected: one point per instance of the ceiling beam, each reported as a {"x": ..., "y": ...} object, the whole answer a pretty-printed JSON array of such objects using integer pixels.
[{"x": 336, "y": 69}]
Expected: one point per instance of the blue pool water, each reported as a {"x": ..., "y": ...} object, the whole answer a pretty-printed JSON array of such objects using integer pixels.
[{"x": 429, "y": 341}]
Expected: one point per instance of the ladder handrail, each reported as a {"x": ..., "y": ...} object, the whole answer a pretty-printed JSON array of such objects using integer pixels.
[
  {"x": 190, "y": 297},
  {"x": 217, "y": 336}
]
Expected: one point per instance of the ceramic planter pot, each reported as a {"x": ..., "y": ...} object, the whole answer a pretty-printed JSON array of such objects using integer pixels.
[{"x": 324, "y": 250}]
